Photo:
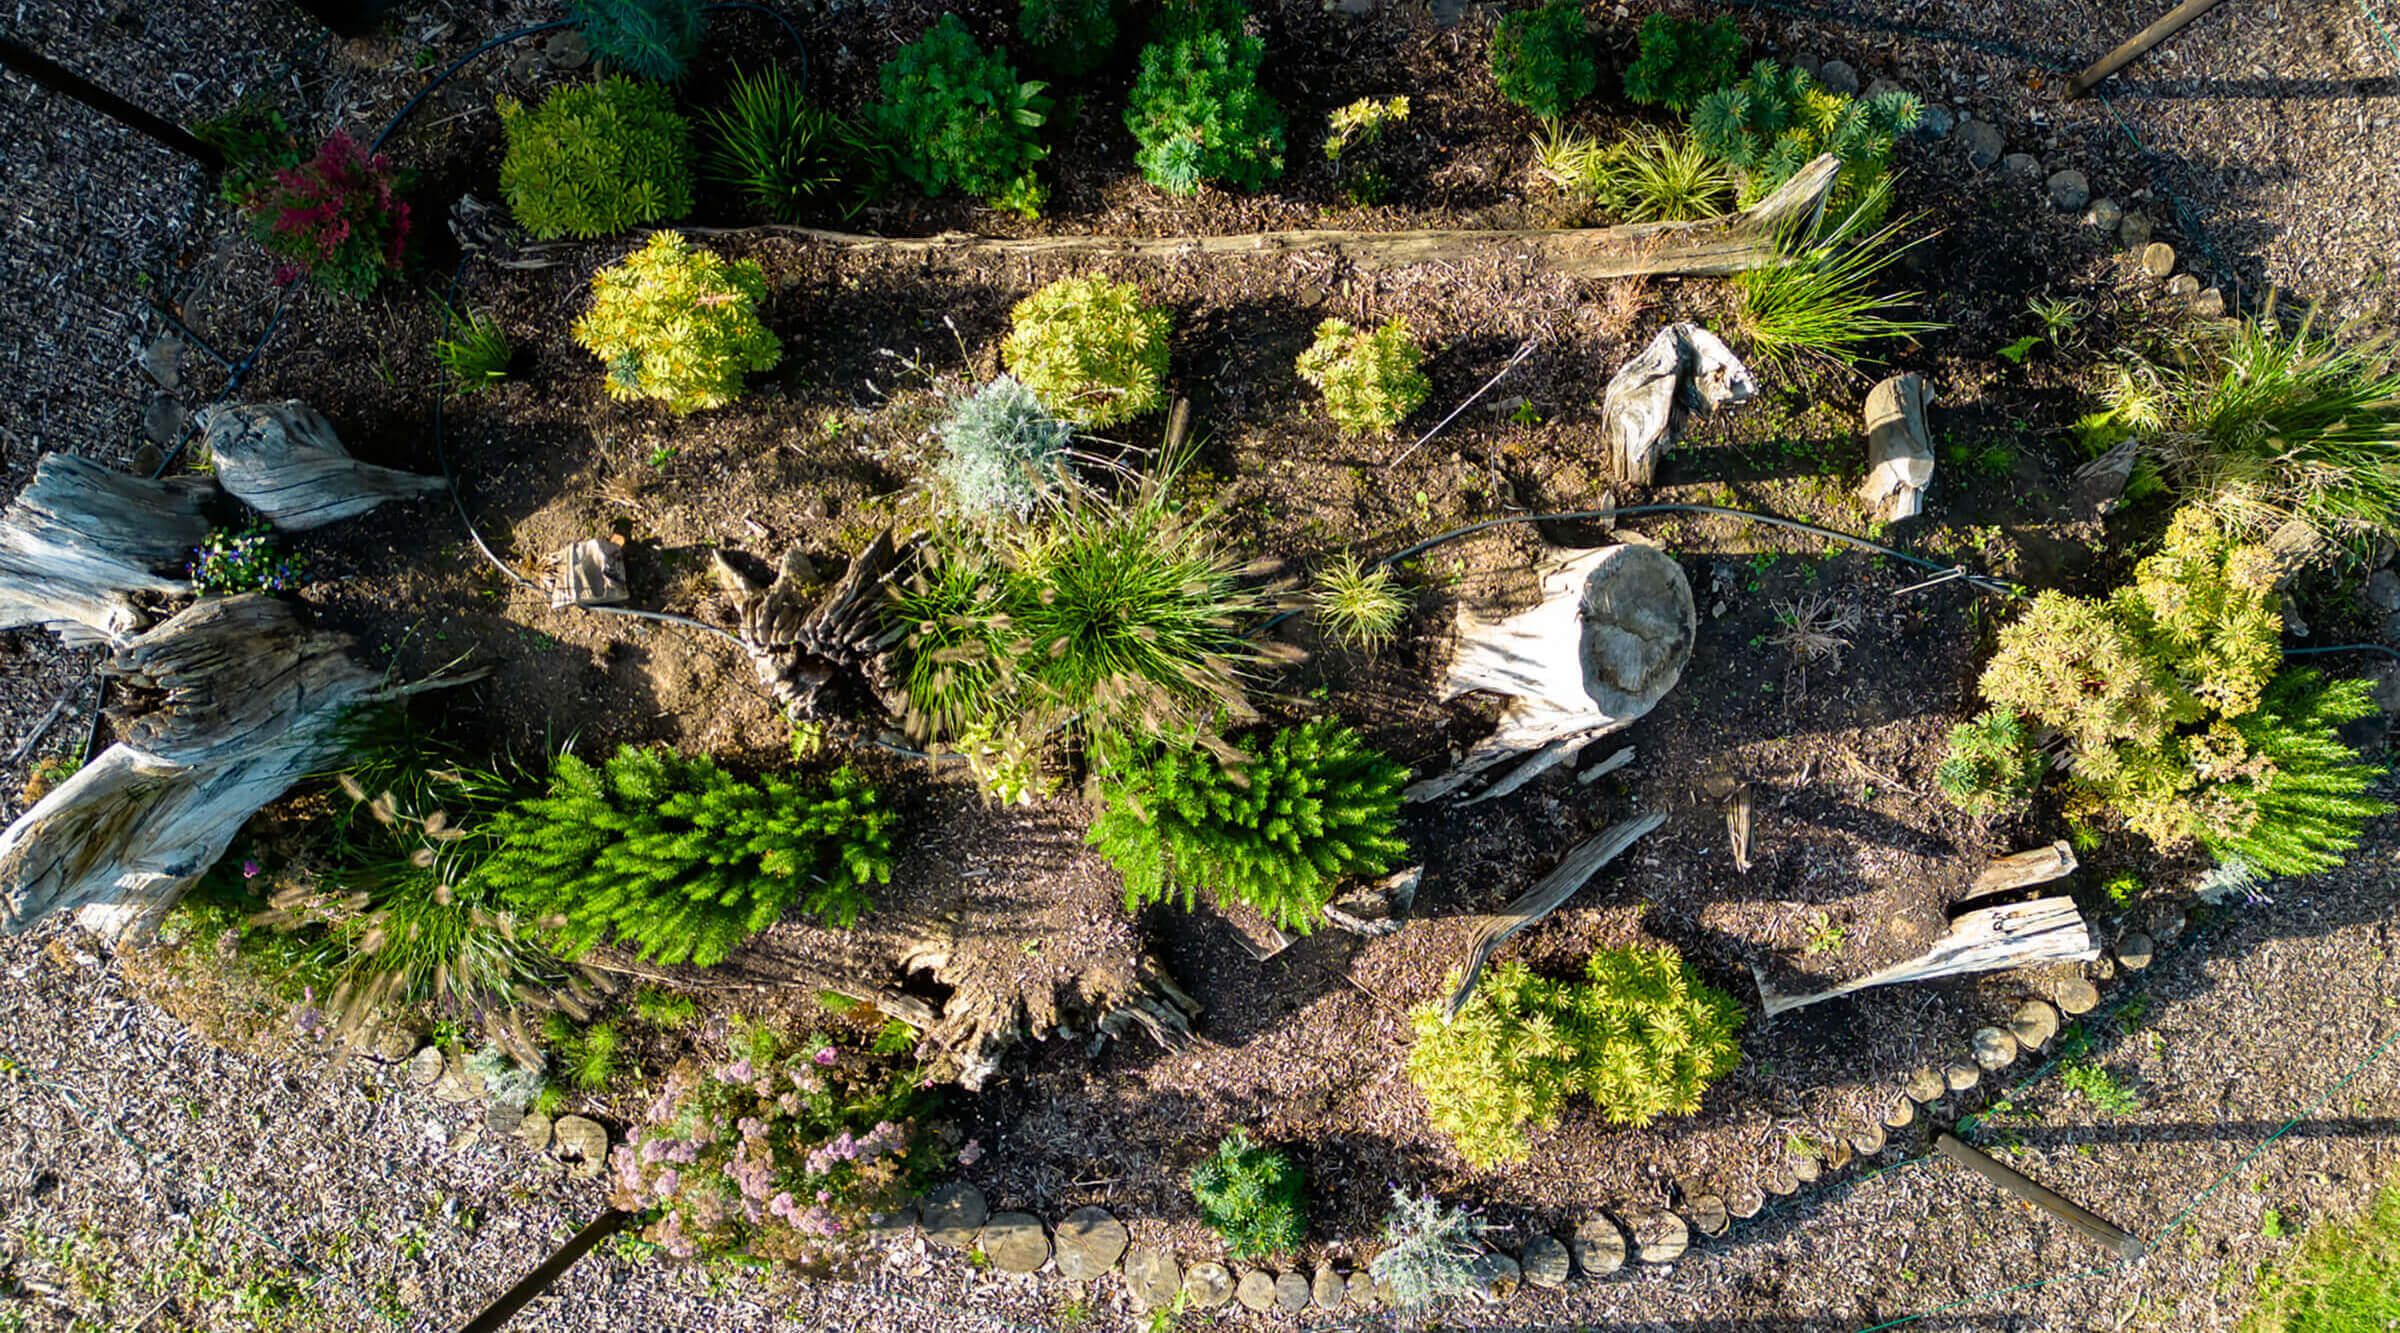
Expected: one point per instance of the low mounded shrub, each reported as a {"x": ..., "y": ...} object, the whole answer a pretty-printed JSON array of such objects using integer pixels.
[
  {"x": 1279, "y": 830},
  {"x": 958, "y": 118},
  {"x": 1251, "y": 1196},
  {"x": 1777, "y": 120},
  {"x": 1682, "y": 61},
  {"x": 678, "y": 324},
  {"x": 1071, "y": 37},
  {"x": 1370, "y": 379},
  {"x": 1197, "y": 113},
  {"x": 678, "y": 860},
  {"x": 769, "y": 143},
  {"x": 1992, "y": 765},
  {"x": 654, "y": 39},
  {"x": 596, "y": 159},
  {"x": 1090, "y": 349},
  {"x": 1542, "y": 60},
  {"x": 1005, "y": 452},
  {"x": 1642, "y": 1038},
  {"x": 336, "y": 217}
]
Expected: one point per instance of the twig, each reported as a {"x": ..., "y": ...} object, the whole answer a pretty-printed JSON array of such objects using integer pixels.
[{"x": 1523, "y": 351}]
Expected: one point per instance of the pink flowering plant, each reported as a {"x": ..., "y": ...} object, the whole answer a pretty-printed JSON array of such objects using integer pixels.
[
  {"x": 336, "y": 217},
  {"x": 776, "y": 1152}
]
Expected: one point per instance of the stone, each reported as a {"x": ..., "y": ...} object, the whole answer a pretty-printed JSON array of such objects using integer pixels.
[
  {"x": 1598, "y": 1246},
  {"x": 2209, "y": 303},
  {"x": 534, "y": 1131},
  {"x": 146, "y": 461},
  {"x": 2183, "y": 285},
  {"x": 1256, "y": 1291},
  {"x": 1935, "y": 123},
  {"x": 1708, "y": 1215},
  {"x": 1867, "y": 1139},
  {"x": 425, "y": 1067},
  {"x": 1207, "y": 1283},
  {"x": 503, "y": 1117},
  {"x": 162, "y": 361},
  {"x": 1544, "y": 1262},
  {"x": 1745, "y": 1200},
  {"x": 2134, "y": 951},
  {"x": 2383, "y": 590},
  {"x": 1660, "y": 1237},
  {"x": 580, "y": 1143},
  {"x": 2077, "y": 996},
  {"x": 1090, "y": 1242},
  {"x": 2134, "y": 231},
  {"x": 1878, "y": 86},
  {"x": 392, "y": 1043},
  {"x": 2034, "y": 1024},
  {"x": 162, "y": 421},
  {"x": 954, "y": 1215},
  {"x": 2168, "y": 924},
  {"x": 1901, "y": 1115},
  {"x": 1496, "y": 1277},
  {"x": 566, "y": 50},
  {"x": 1839, "y": 77},
  {"x": 1994, "y": 1049},
  {"x": 1014, "y": 1242},
  {"x": 886, "y": 1228},
  {"x": 1925, "y": 1085},
  {"x": 1811, "y": 65},
  {"x": 1364, "y": 1294},
  {"x": 2021, "y": 164},
  {"x": 2069, "y": 190},
  {"x": 1780, "y": 1181},
  {"x": 1983, "y": 142},
  {"x": 2158, "y": 259},
  {"x": 1327, "y": 1288},
  {"x": 2391, "y": 629},
  {"x": 1154, "y": 1279},
  {"x": 1354, "y": 6},
  {"x": 1961, "y": 1076},
  {"x": 1447, "y": 13},
  {"x": 2103, "y": 214},
  {"x": 1291, "y": 1293}
]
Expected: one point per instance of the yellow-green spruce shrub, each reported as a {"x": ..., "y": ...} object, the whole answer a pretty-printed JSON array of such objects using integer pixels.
[
  {"x": 1089, "y": 349},
  {"x": 596, "y": 159},
  {"x": 1369, "y": 378},
  {"x": 678, "y": 324}
]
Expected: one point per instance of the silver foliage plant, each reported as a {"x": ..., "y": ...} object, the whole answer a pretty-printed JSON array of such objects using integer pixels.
[
  {"x": 507, "y": 1081},
  {"x": 1005, "y": 452},
  {"x": 1429, "y": 1251}
]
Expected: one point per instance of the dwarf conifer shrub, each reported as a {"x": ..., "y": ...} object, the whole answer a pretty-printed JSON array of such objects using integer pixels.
[
  {"x": 1777, "y": 120},
  {"x": 1542, "y": 60},
  {"x": 2178, "y": 714},
  {"x": 1992, "y": 764},
  {"x": 1005, "y": 451},
  {"x": 654, "y": 39},
  {"x": 957, "y": 117},
  {"x": 680, "y": 861},
  {"x": 1369, "y": 377},
  {"x": 336, "y": 217},
  {"x": 1090, "y": 349},
  {"x": 1279, "y": 830},
  {"x": 1252, "y": 1196},
  {"x": 1642, "y": 1038},
  {"x": 1682, "y": 61},
  {"x": 1198, "y": 114},
  {"x": 678, "y": 324},
  {"x": 769, "y": 143},
  {"x": 596, "y": 159},
  {"x": 1072, "y": 37},
  {"x": 1429, "y": 1251}
]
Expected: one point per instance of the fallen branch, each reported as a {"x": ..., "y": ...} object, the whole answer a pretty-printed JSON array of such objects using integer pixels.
[{"x": 1571, "y": 873}]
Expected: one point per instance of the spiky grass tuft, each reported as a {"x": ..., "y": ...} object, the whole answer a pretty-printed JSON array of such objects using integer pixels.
[
  {"x": 475, "y": 351},
  {"x": 767, "y": 142},
  {"x": 1357, "y": 607},
  {"x": 1818, "y": 303}
]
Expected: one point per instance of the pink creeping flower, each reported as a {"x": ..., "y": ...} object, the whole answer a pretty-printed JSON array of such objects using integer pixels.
[
  {"x": 249, "y": 870},
  {"x": 970, "y": 1154},
  {"x": 825, "y": 1056}
]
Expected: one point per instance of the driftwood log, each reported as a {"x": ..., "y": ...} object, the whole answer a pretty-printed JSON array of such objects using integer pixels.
[
  {"x": 1685, "y": 369},
  {"x": 1715, "y": 247},
  {"x": 2011, "y": 935},
  {"x": 1899, "y": 449},
  {"x": 802, "y": 638},
  {"x": 1572, "y": 872},
  {"x": 284, "y": 460},
  {"x": 590, "y": 572},
  {"x": 82, "y": 539}
]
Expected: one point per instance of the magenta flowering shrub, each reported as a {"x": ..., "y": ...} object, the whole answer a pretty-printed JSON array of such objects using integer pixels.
[
  {"x": 335, "y": 217},
  {"x": 776, "y": 1153}
]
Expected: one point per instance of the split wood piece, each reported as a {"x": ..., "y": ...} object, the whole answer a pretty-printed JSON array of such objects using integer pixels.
[
  {"x": 1899, "y": 448},
  {"x": 1994, "y": 1048},
  {"x": 2011, "y": 935},
  {"x": 82, "y": 538},
  {"x": 1709, "y": 1216},
  {"x": 1781, "y": 1180},
  {"x": 1572, "y": 872},
  {"x": 2100, "y": 484},
  {"x": 1836, "y": 1152},
  {"x": 1925, "y": 1086},
  {"x": 484, "y": 229},
  {"x": 801, "y": 642},
  {"x": 1804, "y": 1166},
  {"x": 2022, "y": 870},
  {"x": 1660, "y": 1237},
  {"x": 2035, "y": 1023},
  {"x": 1209, "y": 1285},
  {"x": 125, "y": 837},
  {"x": 1380, "y": 910},
  {"x": 590, "y": 572},
  {"x": 2086, "y": 1224},
  {"x": 1901, "y": 1115},
  {"x": 1606, "y": 766},
  {"x": 1153, "y": 1278},
  {"x": 1867, "y": 1138},
  {"x": 1548, "y": 757},
  {"x": 284, "y": 460},
  {"x": 2077, "y": 996},
  {"x": 954, "y": 1215},
  {"x": 1745, "y": 1200},
  {"x": 1651, "y": 399},
  {"x": 1737, "y": 827},
  {"x": 1609, "y": 638},
  {"x": 1544, "y": 1262},
  {"x": 1599, "y": 1246},
  {"x": 2134, "y": 951},
  {"x": 1090, "y": 1241},
  {"x": 1961, "y": 1076},
  {"x": 1256, "y": 1291},
  {"x": 1716, "y": 247}
]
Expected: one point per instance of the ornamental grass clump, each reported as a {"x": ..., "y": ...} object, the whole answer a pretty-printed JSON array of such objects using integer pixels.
[
  {"x": 1090, "y": 349},
  {"x": 676, "y": 860},
  {"x": 1370, "y": 378},
  {"x": 1777, "y": 120},
  {"x": 596, "y": 159},
  {"x": 1542, "y": 60},
  {"x": 2178, "y": 714},
  {"x": 474, "y": 351},
  {"x": 1682, "y": 61},
  {"x": 1279, "y": 830},
  {"x": 1817, "y": 301},
  {"x": 1196, "y": 110},
  {"x": 1656, "y": 178},
  {"x": 1004, "y": 452},
  {"x": 959, "y": 118},
  {"x": 776, "y": 1151},
  {"x": 678, "y": 324},
  {"x": 1642, "y": 1038},
  {"x": 1429, "y": 1251},
  {"x": 782, "y": 154},
  {"x": 654, "y": 39},
  {"x": 1252, "y": 1196},
  {"x": 336, "y": 217},
  {"x": 1357, "y": 607}
]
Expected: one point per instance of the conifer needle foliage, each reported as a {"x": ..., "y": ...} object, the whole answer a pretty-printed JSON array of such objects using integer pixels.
[
  {"x": 1279, "y": 830},
  {"x": 655, "y": 39},
  {"x": 1682, "y": 61},
  {"x": 678, "y": 324},
  {"x": 1197, "y": 112},
  {"x": 959, "y": 118},
  {"x": 1252, "y": 1196},
  {"x": 680, "y": 861},
  {"x": 1642, "y": 1038},
  {"x": 1542, "y": 60},
  {"x": 1777, "y": 120},
  {"x": 596, "y": 159}
]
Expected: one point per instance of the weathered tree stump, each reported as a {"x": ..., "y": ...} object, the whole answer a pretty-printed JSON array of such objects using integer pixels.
[
  {"x": 1899, "y": 448},
  {"x": 1685, "y": 370},
  {"x": 802, "y": 640},
  {"x": 284, "y": 460},
  {"x": 81, "y": 539}
]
